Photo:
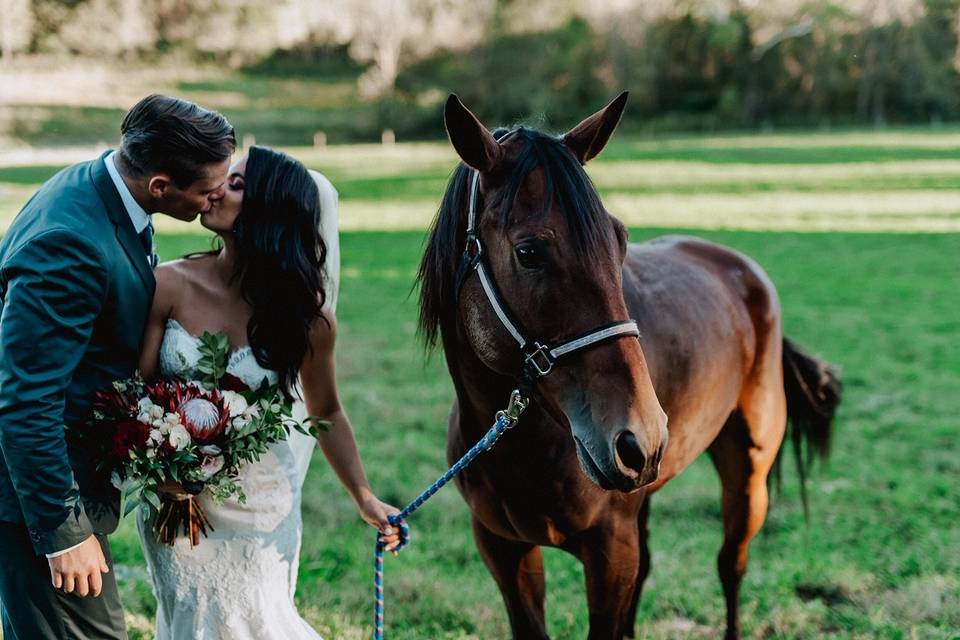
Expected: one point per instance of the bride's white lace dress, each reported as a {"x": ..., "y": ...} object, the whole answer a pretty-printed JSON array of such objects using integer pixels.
[{"x": 238, "y": 583}]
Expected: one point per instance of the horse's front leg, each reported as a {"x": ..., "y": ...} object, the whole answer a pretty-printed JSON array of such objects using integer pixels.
[
  {"x": 517, "y": 568},
  {"x": 611, "y": 556}
]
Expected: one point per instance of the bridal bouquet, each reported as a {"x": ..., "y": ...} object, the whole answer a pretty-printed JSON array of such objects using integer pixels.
[{"x": 192, "y": 434}]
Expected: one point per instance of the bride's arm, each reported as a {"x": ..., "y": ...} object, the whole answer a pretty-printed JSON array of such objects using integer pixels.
[
  {"x": 160, "y": 310},
  {"x": 318, "y": 379}
]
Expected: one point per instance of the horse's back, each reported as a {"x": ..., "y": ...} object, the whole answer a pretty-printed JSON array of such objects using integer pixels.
[{"x": 689, "y": 256}]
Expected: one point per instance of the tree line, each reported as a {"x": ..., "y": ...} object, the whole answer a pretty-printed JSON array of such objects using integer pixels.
[{"x": 690, "y": 64}]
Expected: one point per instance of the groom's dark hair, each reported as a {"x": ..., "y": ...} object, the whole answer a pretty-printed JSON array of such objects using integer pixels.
[{"x": 161, "y": 134}]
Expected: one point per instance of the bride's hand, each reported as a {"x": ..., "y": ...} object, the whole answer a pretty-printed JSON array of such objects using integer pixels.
[{"x": 375, "y": 513}]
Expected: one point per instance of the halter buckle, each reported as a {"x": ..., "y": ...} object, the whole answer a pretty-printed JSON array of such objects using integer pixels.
[
  {"x": 473, "y": 242},
  {"x": 540, "y": 360}
]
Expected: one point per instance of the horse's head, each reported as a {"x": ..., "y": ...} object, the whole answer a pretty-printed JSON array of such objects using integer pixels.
[{"x": 556, "y": 257}]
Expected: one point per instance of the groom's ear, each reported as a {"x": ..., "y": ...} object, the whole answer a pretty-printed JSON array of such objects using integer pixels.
[{"x": 158, "y": 185}]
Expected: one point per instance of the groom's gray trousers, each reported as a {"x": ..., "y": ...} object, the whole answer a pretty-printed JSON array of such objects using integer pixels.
[{"x": 32, "y": 609}]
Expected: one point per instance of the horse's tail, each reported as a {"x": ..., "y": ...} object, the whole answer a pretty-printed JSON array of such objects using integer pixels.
[{"x": 813, "y": 390}]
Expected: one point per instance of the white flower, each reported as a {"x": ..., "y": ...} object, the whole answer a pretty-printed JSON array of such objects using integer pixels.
[
  {"x": 210, "y": 450},
  {"x": 239, "y": 422},
  {"x": 145, "y": 405},
  {"x": 179, "y": 437},
  {"x": 145, "y": 417},
  {"x": 156, "y": 437},
  {"x": 115, "y": 480},
  {"x": 211, "y": 465},
  {"x": 151, "y": 454},
  {"x": 252, "y": 412},
  {"x": 156, "y": 412},
  {"x": 167, "y": 422},
  {"x": 236, "y": 403}
]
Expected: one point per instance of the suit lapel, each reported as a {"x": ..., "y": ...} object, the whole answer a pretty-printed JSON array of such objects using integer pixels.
[{"x": 126, "y": 234}]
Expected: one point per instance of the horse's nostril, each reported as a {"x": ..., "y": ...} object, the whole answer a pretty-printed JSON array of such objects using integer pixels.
[{"x": 629, "y": 451}]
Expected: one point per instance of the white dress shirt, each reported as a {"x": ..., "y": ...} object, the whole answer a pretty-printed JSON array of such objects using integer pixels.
[{"x": 138, "y": 216}]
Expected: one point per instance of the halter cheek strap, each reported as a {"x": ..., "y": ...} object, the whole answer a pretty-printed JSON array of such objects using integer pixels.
[{"x": 539, "y": 357}]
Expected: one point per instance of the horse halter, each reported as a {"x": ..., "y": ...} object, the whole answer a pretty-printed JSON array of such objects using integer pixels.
[{"x": 540, "y": 358}]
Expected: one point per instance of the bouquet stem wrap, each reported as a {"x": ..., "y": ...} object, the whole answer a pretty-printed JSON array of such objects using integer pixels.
[{"x": 184, "y": 515}]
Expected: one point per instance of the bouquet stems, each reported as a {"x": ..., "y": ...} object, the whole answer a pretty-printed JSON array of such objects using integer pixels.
[{"x": 185, "y": 515}]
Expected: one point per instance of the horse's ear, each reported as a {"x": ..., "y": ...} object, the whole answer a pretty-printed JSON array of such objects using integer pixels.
[
  {"x": 589, "y": 137},
  {"x": 474, "y": 144}
]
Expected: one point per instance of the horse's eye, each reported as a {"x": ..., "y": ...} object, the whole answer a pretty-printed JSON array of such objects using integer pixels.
[{"x": 529, "y": 255}]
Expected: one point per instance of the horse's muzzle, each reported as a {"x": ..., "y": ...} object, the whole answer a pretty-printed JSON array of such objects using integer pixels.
[{"x": 626, "y": 468}]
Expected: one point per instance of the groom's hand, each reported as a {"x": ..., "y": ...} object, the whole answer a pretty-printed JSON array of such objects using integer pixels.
[{"x": 79, "y": 570}]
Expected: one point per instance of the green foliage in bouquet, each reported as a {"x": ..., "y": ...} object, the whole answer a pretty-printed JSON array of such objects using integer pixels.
[{"x": 214, "y": 358}]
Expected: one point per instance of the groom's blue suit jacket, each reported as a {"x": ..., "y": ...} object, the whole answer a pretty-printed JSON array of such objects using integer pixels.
[{"x": 75, "y": 290}]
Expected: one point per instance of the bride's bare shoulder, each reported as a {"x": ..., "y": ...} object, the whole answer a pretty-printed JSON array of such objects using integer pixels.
[{"x": 177, "y": 276}]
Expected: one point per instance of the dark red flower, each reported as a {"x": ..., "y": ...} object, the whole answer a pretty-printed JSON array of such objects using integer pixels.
[
  {"x": 230, "y": 382},
  {"x": 130, "y": 434},
  {"x": 114, "y": 404}
]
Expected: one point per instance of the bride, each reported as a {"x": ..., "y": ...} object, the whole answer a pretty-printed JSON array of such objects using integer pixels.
[{"x": 265, "y": 288}]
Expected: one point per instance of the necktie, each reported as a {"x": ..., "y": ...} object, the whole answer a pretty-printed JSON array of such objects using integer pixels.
[{"x": 146, "y": 239}]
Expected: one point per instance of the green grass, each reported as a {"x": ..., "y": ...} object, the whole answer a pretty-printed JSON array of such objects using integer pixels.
[
  {"x": 276, "y": 110},
  {"x": 780, "y": 154},
  {"x": 863, "y": 181},
  {"x": 877, "y": 560}
]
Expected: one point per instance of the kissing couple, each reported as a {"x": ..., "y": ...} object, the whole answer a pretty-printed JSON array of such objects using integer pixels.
[{"x": 83, "y": 303}]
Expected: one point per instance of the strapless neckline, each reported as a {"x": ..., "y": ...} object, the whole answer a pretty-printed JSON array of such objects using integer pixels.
[
  {"x": 234, "y": 356},
  {"x": 180, "y": 353}
]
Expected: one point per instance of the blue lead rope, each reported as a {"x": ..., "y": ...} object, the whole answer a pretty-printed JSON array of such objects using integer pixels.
[{"x": 505, "y": 420}]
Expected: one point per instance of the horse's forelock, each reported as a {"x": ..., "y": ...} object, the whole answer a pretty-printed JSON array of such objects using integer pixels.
[{"x": 565, "y": 181}]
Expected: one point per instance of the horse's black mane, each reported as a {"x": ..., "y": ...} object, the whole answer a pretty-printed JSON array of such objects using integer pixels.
[{"x": 565, "y": 180}]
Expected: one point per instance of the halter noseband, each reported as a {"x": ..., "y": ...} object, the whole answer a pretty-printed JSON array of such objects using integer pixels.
[{"x": 539, "y": 357}]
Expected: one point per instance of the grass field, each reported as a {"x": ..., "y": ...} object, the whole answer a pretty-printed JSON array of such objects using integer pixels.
[
  {"x": 843, "y": 224},
  {"x": 896, "y": 181}
]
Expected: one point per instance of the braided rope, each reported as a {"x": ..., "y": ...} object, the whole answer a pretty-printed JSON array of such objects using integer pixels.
[{"x": 505, "y": 420}]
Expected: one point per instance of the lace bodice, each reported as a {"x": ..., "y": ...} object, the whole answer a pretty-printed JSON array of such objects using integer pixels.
[{"x": 180, "y": 352}]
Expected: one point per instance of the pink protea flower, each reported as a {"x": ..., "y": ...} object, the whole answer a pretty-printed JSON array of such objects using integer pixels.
[
  {"x": 202, "y": 413},
  {"x": 204, "y": 418}
]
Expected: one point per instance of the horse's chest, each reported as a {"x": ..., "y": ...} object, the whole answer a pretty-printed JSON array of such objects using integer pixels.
[{"x": 524, "y": 501}]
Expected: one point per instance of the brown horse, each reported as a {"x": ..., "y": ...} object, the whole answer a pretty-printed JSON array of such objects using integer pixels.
[{"x": 577, "y": 471}]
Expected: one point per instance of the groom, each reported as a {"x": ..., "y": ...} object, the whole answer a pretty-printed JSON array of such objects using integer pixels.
[{"x": 76, "y": 283}]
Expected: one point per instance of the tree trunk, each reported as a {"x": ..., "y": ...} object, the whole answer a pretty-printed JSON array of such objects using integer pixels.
[{"x": 867, "y": 77}]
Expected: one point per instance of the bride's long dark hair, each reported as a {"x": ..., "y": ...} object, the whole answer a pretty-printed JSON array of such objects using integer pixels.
[{"x": 280, "y": 260}]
